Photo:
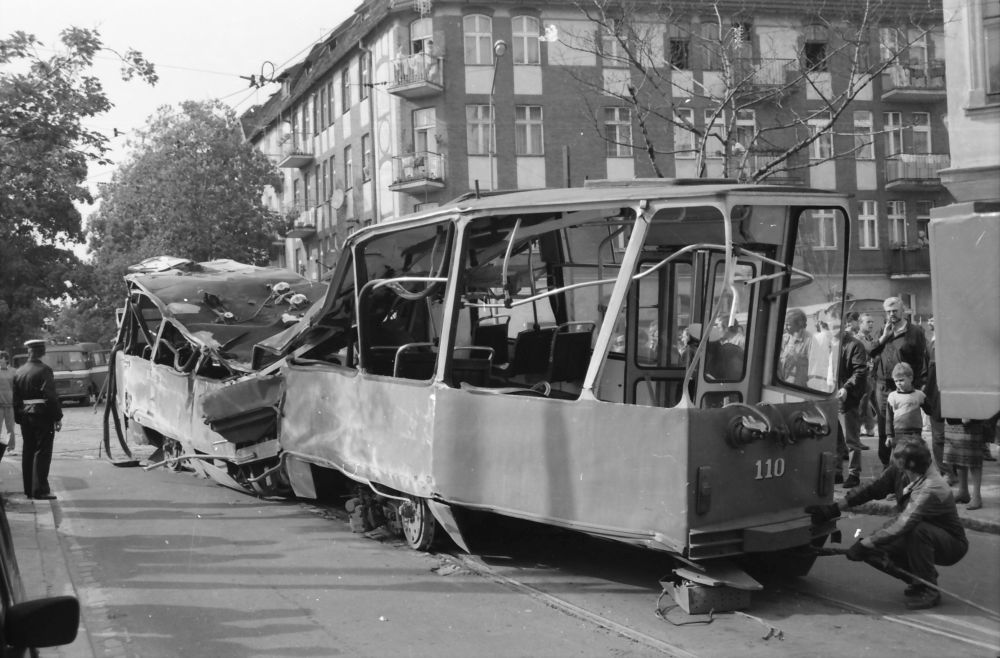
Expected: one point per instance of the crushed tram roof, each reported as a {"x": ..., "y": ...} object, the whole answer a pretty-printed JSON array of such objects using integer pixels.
[{"x": 223, "y": 305}]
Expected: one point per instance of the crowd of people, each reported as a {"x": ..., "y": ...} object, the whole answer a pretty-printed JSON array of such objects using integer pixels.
[{"x": 887, "y": 379}]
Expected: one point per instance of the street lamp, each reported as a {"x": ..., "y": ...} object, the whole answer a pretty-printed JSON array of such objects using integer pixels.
[{"x": 499, "y": 50}]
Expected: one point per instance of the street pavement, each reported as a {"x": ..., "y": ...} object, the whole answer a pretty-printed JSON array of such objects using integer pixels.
[{"x": 43, "y": 564}]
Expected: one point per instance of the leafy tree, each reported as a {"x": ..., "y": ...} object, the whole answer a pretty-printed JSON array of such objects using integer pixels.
[
  {"x": 44, "y": 152},
  {"x": 191, "y": 188},
  {"x": 700, "y": 84}
]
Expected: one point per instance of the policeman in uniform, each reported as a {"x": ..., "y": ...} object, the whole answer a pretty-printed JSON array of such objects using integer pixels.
[{"x": 38, "y": 412}]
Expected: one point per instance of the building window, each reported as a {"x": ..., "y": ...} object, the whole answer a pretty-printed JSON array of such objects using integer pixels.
[
  {"x": 679, "y": 54},
  {"x": 478, "y": 40},
  {"x": 525, "y": 37},
  {"x": 297, "y": 195},
  {"x": 715, "y": 129},
  {"x": 814, "y": 56},
  {"x": 348, "y": 169},
  {"x": 366, "y": 157},
  {"x": 345, "y": 90},
  {"x": 314, "y": 111},
  {"x": 366, "y": 75},
  {"x": 893, "y": 129},
  {"x": 923, "y": 210},
  {"x": 822, "y": 147},
  {"x": 896, "y": 213},
  {"x": 528, "y": 136},
  {"x": 868, "y": 225},
  {"x": 323, "y": 118},
  {"x": 306, "y": 124},
  {"x": 306, "y": 200},
  {"x": 684, "y": 133},
  {"x": 331, "y": 109},
  {"x": 612, "y": 52},
  {"x": 921, "y": 132},
  {"x": 864, "y": 148},
  {"x": 891, "y": 43},
  {"x": 746, "y": 128},
  {"x": 826, "y": 228},
  {"x": 322, "y": 177},
  {"x": 424, "y": 125},
  {"x": 331, "y": 172},
  {"x": 477, "y": 129},
  {"x": 991, "y": 33},
  {"x": 618, "y": 132}
]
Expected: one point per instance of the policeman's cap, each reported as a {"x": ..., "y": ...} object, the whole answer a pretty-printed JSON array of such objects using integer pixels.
[{"x": 34, "y": 343}]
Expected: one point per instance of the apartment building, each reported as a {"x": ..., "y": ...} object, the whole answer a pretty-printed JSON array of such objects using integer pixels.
[{"x": 414, "y": 102}]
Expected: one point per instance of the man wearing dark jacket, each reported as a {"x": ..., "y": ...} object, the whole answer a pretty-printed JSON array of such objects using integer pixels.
[
  {"x": 927, "y": 530},
  {"x": 901, "y": 342},
  {"x": 852, "y": 383},
  {"x": 38, "y": 412}
]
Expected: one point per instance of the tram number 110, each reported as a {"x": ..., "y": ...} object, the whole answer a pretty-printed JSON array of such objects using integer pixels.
[{"x": 767, "y": 468}]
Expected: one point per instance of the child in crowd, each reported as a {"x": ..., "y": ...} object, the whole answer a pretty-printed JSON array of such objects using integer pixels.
[{"x": 903, "y": 421}]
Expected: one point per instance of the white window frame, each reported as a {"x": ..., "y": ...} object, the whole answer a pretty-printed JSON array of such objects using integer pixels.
[
  {"x": 529, "y": 126},
  {"x": 527, "y": 47},
  {"x": 715, "y": 142},
  {"x": 922, "y": 127},
  {"x": 892, "y": 126},
  {"x": 684, "y": 139},
  {"x": 365, "y": 64},
  {"x": 618, "y": 132},
  {"x": 746, "y": 127},
  {"x": 478, "y": 40},
  {"x": 991, "y": 50},
  {"x": 477, "y": 129},
  {"x": 826, "y": 229},
  {"x": 895, "y": 211},
  {"x": 612, "y": 54},
  {"x": 424, "y": 125},
  {"x": 868, "y": 224},
  {"x": 345, "y": 89},
  {"x": 864, "y": 147},
  {"x": 367, "y": 156},
  {"x": 822, "y": 147},
  {"x": 348, "y": 169}
]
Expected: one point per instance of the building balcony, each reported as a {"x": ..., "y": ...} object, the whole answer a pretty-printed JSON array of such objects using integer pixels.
[
  {"x": 915, "y": 171},
  {"x": 422, "y": 171},
  {"x": 766, "y": 75},
  {"x": 908, "y": 262},
  {"x": 304, "y": 226},
  {"x": 417, "y": 76},
  {"x": 914, "y": 83},
  {"x": 758, "y": 159},
  {"x": 296, "y": 152}
]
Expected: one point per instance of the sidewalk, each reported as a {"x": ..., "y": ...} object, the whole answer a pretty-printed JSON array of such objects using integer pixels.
[{"x": 985, "y": 519}]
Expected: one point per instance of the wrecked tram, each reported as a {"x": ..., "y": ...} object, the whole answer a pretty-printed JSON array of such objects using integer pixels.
[
  {"x": 604, "y": 359},
  {"x": 187, "y": 329}
]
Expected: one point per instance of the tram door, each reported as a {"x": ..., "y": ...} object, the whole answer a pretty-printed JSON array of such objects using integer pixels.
[{"x": 669, "y": 312}]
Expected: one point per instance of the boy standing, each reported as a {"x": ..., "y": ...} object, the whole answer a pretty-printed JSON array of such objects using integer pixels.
[{"x": 902, "y": 409}]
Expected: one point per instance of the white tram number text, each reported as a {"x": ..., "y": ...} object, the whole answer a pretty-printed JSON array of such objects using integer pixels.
[{"x": 768, "y": 468}]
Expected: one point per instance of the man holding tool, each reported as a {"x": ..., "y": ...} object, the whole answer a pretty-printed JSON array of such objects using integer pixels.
[{"x": 926, "y": 532}]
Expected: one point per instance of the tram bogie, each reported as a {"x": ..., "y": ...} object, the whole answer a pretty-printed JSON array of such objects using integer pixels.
[{"x": 606, "y": 359}]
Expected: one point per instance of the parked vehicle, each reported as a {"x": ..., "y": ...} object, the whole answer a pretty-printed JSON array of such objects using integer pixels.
[
  {"x": 603, "y": 359},
  {"x": 29, "y": 624},
  {"x": 80, "y": 369}
]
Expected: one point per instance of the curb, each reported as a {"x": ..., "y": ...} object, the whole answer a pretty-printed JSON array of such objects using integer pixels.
[{"x": 887, "y": 508}]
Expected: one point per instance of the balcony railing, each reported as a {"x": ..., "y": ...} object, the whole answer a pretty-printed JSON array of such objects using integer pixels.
[
  {"x": 304, "y": 225},
  {"x": 914, "y": 82},
  {"x": 417, "y": 172},
  {"x": 417, "y": 76},
  {"x": 909, "y": 261},
  {"x": 915, "y": 171},
  {"x": 296, "y": 151},
  {"x": 764, "y": 74},
  {"x": 780, "y": 176}
]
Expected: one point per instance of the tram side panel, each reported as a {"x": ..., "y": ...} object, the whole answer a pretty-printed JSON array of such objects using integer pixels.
[
  {"x": 609, "y": 469},
  {"x": 371, "y": 428}
]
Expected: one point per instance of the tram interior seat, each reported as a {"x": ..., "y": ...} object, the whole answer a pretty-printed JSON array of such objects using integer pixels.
[
  {"x": 491, "y": 332},
  {"x": 532, "y": 350},
  {"x": 415, "y": 361},
  {"x": 471, "y": 365},
  {"x": 570, "y": 353}
]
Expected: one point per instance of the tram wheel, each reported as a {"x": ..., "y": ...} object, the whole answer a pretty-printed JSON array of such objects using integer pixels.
[
  {"x": 419, "y": 525},
  {"x": 789, "y": 563}
]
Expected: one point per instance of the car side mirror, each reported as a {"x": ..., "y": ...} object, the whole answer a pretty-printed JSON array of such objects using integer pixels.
[{"x": 49, "y": 622}]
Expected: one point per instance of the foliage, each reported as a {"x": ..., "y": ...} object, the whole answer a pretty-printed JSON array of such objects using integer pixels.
[
  {"x": 192, "y": 188},
  {"x": 44, "y": 151},
  {"x": 702, "y": 84}
]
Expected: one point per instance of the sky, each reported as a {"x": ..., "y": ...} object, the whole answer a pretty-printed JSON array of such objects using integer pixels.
[{"x": 200, "y": 49}]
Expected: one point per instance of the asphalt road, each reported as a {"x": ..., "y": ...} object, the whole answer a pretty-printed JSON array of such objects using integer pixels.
[{"x": 169, "y": 564}]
